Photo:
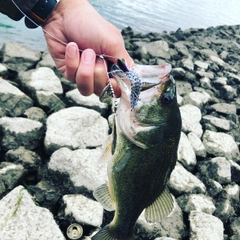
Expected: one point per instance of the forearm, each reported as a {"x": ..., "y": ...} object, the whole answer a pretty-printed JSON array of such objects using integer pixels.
[{"x": 8, "y": 8}]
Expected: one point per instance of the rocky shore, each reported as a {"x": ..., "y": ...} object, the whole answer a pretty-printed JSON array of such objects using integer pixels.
[{"x": 51, "y": 139}]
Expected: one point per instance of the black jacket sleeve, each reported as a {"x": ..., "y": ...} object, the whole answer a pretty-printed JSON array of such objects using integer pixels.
[{"x": 8, "y": 8}]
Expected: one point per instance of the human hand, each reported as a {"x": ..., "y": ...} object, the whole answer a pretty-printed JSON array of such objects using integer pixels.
[{"x": 79, "y": 25}]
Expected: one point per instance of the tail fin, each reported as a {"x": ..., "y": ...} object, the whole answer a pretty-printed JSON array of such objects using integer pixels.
[{"x": 104, "y": 234}]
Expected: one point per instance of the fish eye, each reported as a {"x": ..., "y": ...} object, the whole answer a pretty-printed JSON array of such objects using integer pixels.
[{"x": 166, "y": 98}]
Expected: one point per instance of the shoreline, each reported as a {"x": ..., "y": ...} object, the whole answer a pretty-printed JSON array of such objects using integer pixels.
[{"x": 39, "y": 151}]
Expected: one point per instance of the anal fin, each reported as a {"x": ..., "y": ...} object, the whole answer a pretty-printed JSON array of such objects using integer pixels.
[
  {"x": 103, "y": 196},
  {"x": 160, "y": 208}
]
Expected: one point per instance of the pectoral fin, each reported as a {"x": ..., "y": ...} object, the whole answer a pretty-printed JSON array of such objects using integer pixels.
[
  {"x": 160, "y": 208},
  {"x": 103, "y": 196}
]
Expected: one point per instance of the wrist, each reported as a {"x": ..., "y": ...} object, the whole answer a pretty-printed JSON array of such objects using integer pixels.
[{"x": 40, "y": 12}]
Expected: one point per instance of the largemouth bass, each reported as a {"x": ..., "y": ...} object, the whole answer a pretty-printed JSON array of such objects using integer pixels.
[{"x": 143, "y": 152}]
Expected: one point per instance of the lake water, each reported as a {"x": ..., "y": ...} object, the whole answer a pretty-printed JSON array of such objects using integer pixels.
[{"x": 143, "y": 16}]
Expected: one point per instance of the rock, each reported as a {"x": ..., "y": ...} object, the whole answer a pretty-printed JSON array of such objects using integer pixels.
[
  {"x": 224, "y": 108},
  {"x": 3, "y": 70},
  {"x": 197, "y": 145},
  {"x": 21, "y": 219},
  {"x": 81, "y": 165},
  {"x": 228, "y": 92},
  {"x": 187, "y": 64},
  {"x": 205, "y": 226},
  {"x": 183, "y": 88},
  {"x": 170, "y": 226},
  {"x": 18, "y": 57},
  {"x": 191, "y": 116},
  {"x": 233, "y": 191},
  {"x": 29, "y": 159},
  {"x": 235, "y": 170},
  {"x": 84, "y": 210},
  {"x": 181, "y": 181},
  {"x": 218, "y": 168},
  {"x": 181, "y": 48},
  {"x": 79, "y": 128},
  {"x": 158, "y": 49},
  {"x": 35, "y": 113},
  {"x": 186, "y": 154},
  {"x": 41, "y": 79},
  {"x": 219, "y": 123},
  {"x": 196, "y": 202},
  {"x": 49, "y": 101},
  {"x": 217, "y": 60},
  {"x": 178, "y": 73},
  {"x": 197, "y": 99},
  {"x": 220, "y": 144},
  {"x": 74, "y": 98},
  {"x": 12, "y": 100},
  {"x": 10, "y": 175},
  {"x": 18, "y": 132},
  {"x": 235, "y": 229},
  {"x": 46, "y": 61},
  {"x": 201, "y": 65}
]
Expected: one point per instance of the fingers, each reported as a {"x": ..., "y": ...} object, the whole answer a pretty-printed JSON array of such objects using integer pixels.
[
  {"x": 72, "y": 61},
  {"x": 87, "y": 71}
]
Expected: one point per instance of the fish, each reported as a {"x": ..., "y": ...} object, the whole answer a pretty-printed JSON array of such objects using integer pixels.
[{"x": 142, "y": 149}]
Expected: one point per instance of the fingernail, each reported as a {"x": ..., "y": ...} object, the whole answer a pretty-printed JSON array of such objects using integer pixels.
[
  {"x": 72, "y": 51},
  {"x": 88, "y": 56}
]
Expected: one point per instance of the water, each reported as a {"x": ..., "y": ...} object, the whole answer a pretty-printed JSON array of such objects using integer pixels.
[{"x": 143, "y": 16}]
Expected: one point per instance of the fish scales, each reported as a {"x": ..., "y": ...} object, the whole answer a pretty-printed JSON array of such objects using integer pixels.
[{"x": 143, "y": 155}]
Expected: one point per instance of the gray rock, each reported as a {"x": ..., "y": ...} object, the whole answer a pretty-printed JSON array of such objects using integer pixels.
[
  {"x": 191, "y": 116},
  {"x": 41, "y": 79},
  {"x": 84, "y": 210},
  {"x": 202, "y": 73},
  {"x": 198, "y": 99},
  {"x": 10, "y": 174},
  {"x": 181, "y": 48},
  {"x": 187, "y": 64},
  {"x": 158, "y": 49},
  {"x": 186, "y": 154},
  {"x": 218, "y": 61},
  {"x": 196, "y": 202},
  {"x": 164, "y": 238},
  {"x": 233, "y": 191},
  {"x": 75, "y": 127},
  {"x": 21, "y": 219},
  {"x": 170, "y": 226},
  {"x": 178, "y": 72},
  {"x": 218, "y": 168},
  {"x": 219, "y": 123},
  {"x": 224, "y": 108},
  {"x": 29, "y": 159},
  {"x": 18, "y": 57},
  {"x": 235, "y": 229},
  {"x": 197, "y": 145},
  {"x": 92, "y": 101},
  {"x": 205, "y": 83},
  {"x": 220, "y": 81},
  {"x": 224, "y": 207},
  {"x": 201, "y": 65},
  {"x": 205, "y": 226},
  {"x": 181, "y": 181},
  {"x": 18, "y": 132},
  {"x": 183, "y": 87},
  {"x": 220, "y": 144},
  {"x": 49, "y": 101},
  {"x": 12, "y": 100},
  {"x": 46, "y": 61},
  {"x": 81, "y": 165},
  {"x": 3, "y": 70},
  {"x": 235, "y": 170},
  {"x": 228, "y": 92},
  {"x": 35, "y": 113}
]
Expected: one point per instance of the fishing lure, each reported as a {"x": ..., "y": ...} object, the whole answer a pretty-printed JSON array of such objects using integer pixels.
[{"x": 135, "y": 80}]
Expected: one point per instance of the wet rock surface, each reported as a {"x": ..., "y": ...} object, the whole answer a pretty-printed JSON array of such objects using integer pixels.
[{"x": 51, "y": 138}]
